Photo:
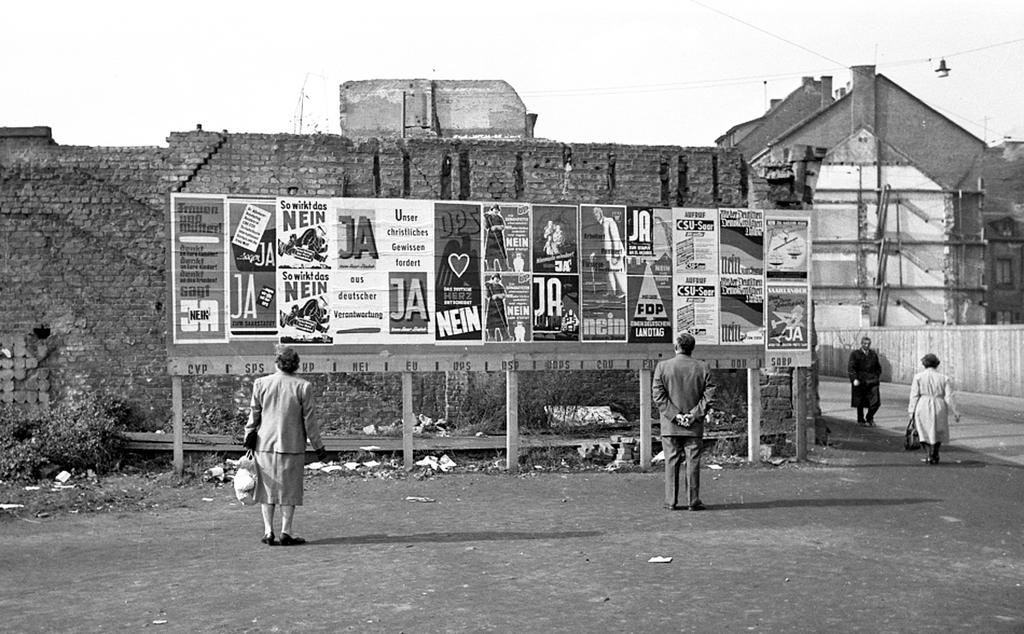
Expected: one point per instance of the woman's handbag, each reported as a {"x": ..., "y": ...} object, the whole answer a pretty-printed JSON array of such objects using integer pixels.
[
  {"x": 911, "y": 441},
  {"x": 246, "y": 478}
]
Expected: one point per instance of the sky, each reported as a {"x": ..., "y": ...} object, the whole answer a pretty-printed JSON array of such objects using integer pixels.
[{"x": 674, "y": 72}]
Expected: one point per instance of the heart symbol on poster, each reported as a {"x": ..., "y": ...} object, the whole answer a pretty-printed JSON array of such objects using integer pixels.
[{"x": 458, "y": 263}]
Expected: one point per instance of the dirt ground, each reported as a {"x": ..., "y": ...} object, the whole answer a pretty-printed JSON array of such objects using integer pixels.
[{"x": 862, "y": 538}]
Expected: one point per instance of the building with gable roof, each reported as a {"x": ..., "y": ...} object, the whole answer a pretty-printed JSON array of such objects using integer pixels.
[{"x": 895, "y": 195}]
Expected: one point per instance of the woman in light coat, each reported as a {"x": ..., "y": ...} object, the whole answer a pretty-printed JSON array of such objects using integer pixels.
[{"x": 931, "y": 401}]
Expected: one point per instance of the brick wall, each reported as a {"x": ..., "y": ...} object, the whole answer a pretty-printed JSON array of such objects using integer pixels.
[{"x": 83, "y": 237}]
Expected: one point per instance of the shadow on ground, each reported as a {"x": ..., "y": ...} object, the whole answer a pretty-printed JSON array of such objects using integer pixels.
[{"x": 446, "y": 538}]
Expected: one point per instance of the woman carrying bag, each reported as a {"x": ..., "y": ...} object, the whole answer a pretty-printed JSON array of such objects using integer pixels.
[
  {"x": 931, "y": 401},
  {"x": 280, "y": 422}
]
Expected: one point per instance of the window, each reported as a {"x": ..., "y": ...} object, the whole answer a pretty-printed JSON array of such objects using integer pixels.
[{"x": 1004, "y": 272}]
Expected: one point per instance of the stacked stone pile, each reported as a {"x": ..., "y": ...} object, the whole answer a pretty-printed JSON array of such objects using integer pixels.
[{"x": 22, "y": 379}]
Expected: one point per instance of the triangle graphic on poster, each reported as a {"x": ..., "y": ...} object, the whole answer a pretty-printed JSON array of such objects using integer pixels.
[{"x": 649, "y": 305}]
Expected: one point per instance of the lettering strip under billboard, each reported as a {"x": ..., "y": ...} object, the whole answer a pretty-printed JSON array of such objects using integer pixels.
[{"x": 198, "y": 254}]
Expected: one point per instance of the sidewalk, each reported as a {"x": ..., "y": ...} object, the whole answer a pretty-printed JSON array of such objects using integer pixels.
[{"x": 990, "y": 425}]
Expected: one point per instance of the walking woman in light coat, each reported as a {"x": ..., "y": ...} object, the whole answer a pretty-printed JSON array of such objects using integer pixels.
[{"x": 931, "y": 401}]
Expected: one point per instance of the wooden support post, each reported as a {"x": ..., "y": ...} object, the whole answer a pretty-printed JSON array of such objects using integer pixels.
[
  {"x": 177, "y": 412},
  {"x": 408, "y": 420},
  {"x": 753, "y": 414},
  {"x": 645, "y": 419},
  {"x": 512, "y": 421},
  {"x": 800, "y": 411}
]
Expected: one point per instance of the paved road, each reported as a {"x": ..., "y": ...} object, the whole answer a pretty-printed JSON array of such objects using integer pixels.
[
  {"x": 862, "y": 537},
  {"x": 991, "y": 425}
]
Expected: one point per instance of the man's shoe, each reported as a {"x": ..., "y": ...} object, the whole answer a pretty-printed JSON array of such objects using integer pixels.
[
  {"x": 699, "y": 506},
  {"x": 288, "y": 540},
  {"x": 672, "y": 507},
  {"x": 269, "y": 540}
]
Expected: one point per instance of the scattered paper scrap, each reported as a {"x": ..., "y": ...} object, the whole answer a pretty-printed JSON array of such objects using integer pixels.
[
  {"x": 207, "y": 499},
  {"x": 315, "y": 465},
  {"x": 427, "y": 461},
  {"x": 331, "y": 468},
  {"x": 659, "y": 458},
  {"x": 417, "y": 498},
  {"x": 446, "y": 463},
  {"x": 11, "y": 507},
  {"x": 351, "y": 466},
  {"x": 32, "y": 488},
  {"x": 714, "y": 466},
  {"x": 63, "y": 477},
  {"x": 371, "y": 464},
  {"x": 659, "y": 560},
  {"x": 160, "y": 622}
]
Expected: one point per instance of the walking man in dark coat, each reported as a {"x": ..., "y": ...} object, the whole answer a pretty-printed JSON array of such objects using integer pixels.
[
  {"x": 684, "y": 391},
  {"x": 865, "y": 374}
]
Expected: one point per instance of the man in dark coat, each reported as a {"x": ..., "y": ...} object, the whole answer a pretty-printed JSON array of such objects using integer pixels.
[
  {"x": 684, "y": 391},
  {"x": 865, "y": 374}
]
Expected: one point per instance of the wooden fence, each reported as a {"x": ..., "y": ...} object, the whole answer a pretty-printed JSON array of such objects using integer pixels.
[{"x": 981, "y": 359}]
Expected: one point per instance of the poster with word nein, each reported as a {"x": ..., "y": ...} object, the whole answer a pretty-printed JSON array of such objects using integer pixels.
[
  {"x": 198, "y": 269},
  {"x": 458, "y": 310}
]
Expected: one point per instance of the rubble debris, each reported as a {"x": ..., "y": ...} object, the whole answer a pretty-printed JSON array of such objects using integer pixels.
[{"x": 584, "y": 415}]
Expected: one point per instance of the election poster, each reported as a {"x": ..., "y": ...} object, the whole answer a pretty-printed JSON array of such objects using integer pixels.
[
  {"x": 406, "y": 230},
  {"x": 649, "y": 241},
  {"x": 359, "y": 289},
  {"x": 554, "y": 239},
  {"x": 788, "y": 318},
  {"x": 519, "y": 305},
  {"x": 741, "y": 309},
  {"x": 303, "y": 241},
  {"x": 556, "y": 308},
  {"x": 506, "y": 307},
  {"x": 351, "y": 271},
  {"x": 458, "y": 303},
  {"x": 650, "y": 303},
  {"x": 697, "y": 307},
  {"x": 741, "y": 242},
  {"x": 506, "y": 238},
  {"x": 304, "y": 305},
  {"x": 695, "y": 241},
  {"x": 252, "y": 269},
  {"x": 199, "y": 283},
  {"x": 787, "y": 250},
  {"x": 603, "y": 292}
]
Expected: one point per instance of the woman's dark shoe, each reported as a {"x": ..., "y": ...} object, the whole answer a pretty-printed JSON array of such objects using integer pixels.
[
  {"x": 288, "y": 540},
  {"x": 269, "y": 540}
]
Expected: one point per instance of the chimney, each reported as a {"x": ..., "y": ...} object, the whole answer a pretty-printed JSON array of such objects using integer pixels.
[
  {"x": 773, "y": 103},
  {"x": 826, "y": 91},
  {"x": 531, "y": 124},
  {"x": 863, "y": 93}
]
